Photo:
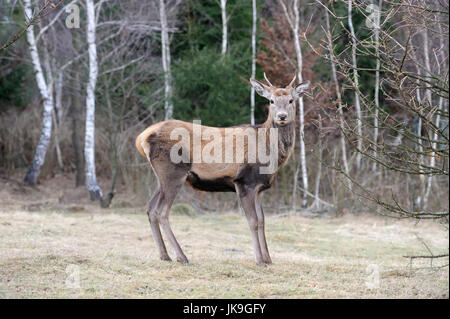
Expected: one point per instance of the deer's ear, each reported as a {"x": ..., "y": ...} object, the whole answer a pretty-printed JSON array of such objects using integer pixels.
[
  {"x": 299, "y": 90},
  {"x": 261, "y": 89}
]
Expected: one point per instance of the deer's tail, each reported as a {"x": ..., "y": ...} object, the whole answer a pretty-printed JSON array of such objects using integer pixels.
[{"x": 142, "y": 144}]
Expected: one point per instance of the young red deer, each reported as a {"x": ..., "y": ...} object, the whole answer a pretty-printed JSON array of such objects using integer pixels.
[{"x": 157, "y": 144}]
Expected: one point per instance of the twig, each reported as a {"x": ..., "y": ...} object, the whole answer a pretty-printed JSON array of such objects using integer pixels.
[{"x": 30, "y": 22}]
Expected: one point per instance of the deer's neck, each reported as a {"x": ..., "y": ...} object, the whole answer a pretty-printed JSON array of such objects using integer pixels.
[{"x": 286, "y": 139}]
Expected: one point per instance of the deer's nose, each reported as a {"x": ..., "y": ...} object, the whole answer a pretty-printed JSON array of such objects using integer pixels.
[{"x": 282, "y": 116}]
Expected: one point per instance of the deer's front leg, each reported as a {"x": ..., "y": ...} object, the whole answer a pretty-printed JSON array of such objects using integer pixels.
[
  {"x": 261, "y": 230},
  {"x": 247, "y": 200}
]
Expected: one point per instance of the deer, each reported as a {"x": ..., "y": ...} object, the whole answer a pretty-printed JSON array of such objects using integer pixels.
[{"x": 244, "y": 178}]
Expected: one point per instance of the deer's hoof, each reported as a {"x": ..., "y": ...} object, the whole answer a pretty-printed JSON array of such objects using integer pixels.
[
  {"x": 165, "y": 258},
  {"x": 261, "y": 264},
  {"x": 183, "y": 261}
]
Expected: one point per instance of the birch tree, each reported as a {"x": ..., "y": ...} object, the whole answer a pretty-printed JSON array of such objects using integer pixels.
[
  {"x": 338, "y": 96},
  {"x": 356, "y": 86},
  {"x": 47, "y": 97},
  {"x": 223, "y": 8},
  {"x": 92, "y": 186},
  {"x": 377, "y": 26},
  {"x": 252, "y": 93},
  {"x": 422, "y": 197},
  {"x": 438, "y": 112},
  {"x": 165, "y": 49},
  {"x": 294, "y": 23},
  {"x": 414, "y": 143}
]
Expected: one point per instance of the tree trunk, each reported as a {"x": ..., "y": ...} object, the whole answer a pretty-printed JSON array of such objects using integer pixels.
[
  {"x": 429, "y": 97},
  {"x": 298, "y": 51},
  {"x": 433, "y": 154},
  {"x": 76, "y": 114},
  {"x": 252, "y": 93},
  {"x": 58, "y": 96},
  {"x": 48, "y": 67},
  {"x": 94, "y": 189},
  {"x": 223, "y": 8},
  {"x": 295, "y": 184},
  {"x": 377, "y": 82},
  {"x": 58, "y": 115},
  {"x": 356, "y": 85},
  {"x": 319, "y": 169},
  {"x": 165, "y": 48},
  {"x": 44, "y": 140},
  {"x": 339, "y": 98},
  {"x": 418, "y": 200},
  {"x": 437, "y": 120},
  {"x": 57, "y": 145}
]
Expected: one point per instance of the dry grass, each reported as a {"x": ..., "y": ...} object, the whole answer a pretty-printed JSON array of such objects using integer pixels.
[
  {"x": 313, "y": 258},
  {"x": 41, "y": 241}
]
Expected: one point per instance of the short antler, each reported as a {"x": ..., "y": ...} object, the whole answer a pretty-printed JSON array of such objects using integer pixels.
[
  {"x": 292, "y": 82},
  {"x": 267, "y": 80}
]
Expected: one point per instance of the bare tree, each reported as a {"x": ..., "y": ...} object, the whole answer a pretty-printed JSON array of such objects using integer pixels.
[
  {"x": 294, "y": 23},
  {"x": 355, "y": 84},
  {"x": 252, "y": 92},
  {"x": 223, "y": 8},
  {"x": 377, "y": 26},
  {"x": 92, "y": 186},
  {"x": 440, "y": 63},
  {"x": 31, "y": 19},
  {"x": 415, "y": 90},
  {"x": 165, "y": 48},
  {"x": 341, "y": 119},
  {"x": 76, "y": 115},
  {"x": 47, "y": 97}
]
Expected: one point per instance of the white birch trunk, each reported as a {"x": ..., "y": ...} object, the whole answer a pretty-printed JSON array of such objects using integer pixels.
[
  {"x": 418, "y": 200},
  {"x": 57, "y": 116},
  {"x": 223, "y": 8},
  {"x": 94, "y": 189},
  {"x": 294, "y": 186},
  {"x": 252, "y": 92},
  {"x": 298, "y": 51},
  {"x": 433, "y": 154},
  {"x": 58, "y": 96},
  {"x": 49, "y": 77},
  {"x": 377, "y": 83},
  {"x": 44, "y": 140},
  {"x": 356, "y": 84},
  {"x": 319, "y": 169},
  {"x": 165, "y": 48},
  {"x": 427, "y": 64},
  {"x": 428, "y": 96},
  {"x": 339, "y": 98},
  {"x": 437, "y": 120}
]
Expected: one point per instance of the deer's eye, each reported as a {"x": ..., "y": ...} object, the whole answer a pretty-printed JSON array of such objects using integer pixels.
[
  {"x": 272, "y": 102},
  {"x": 290, "y": 101}
]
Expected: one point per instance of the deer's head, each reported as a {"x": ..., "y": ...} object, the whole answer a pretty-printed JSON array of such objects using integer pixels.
[{"x": 282, "y": 106}]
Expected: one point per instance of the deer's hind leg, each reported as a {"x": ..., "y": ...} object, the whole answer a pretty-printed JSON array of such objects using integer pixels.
[
  {"x": 171, "y": 179},
  {"x": 154, "y": 225}
]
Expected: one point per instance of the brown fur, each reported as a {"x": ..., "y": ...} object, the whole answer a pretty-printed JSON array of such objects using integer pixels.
[
  {"x": 243, "y": 178},
  {"x": 281, "y": 92}
]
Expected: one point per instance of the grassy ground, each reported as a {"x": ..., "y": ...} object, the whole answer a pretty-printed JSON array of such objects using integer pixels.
[
  {"x": 54, "y": 243},
  {"x": 114, "y": 254}
]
